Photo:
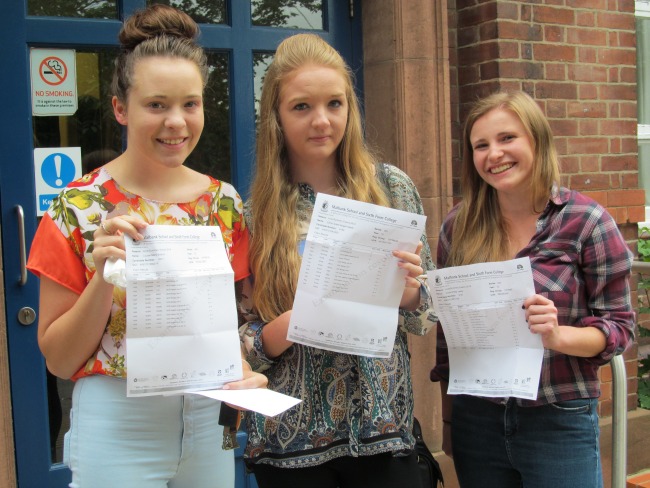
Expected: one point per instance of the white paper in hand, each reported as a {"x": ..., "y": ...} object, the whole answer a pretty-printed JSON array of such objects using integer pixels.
[{"x": 260, "y": 400}]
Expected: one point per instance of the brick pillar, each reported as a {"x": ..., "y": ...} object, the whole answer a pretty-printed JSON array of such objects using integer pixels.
[{"x": 406, "y": 73}]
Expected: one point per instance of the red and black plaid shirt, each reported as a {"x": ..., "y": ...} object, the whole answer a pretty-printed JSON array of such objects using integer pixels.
[{"x": 580, "y": 261}]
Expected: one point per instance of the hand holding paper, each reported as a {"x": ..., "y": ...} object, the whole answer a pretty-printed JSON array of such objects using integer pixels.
[
  {"x": 350, "y": 283},
  {"x": 182, "y": 320},
  {"x": 182, "y": 315},
  {"x": 491, "y": 351}
]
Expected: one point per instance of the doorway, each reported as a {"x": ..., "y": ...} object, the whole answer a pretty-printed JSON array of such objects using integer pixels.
[{"x": 239, "y": 37}]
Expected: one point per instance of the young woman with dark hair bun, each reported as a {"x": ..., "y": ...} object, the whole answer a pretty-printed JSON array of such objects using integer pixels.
[{"x": 114, "y": 440}]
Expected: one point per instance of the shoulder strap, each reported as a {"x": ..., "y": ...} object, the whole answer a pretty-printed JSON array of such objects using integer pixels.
[{"x": 429, "y": 468}]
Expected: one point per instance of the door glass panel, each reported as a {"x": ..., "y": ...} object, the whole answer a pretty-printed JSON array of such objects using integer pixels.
[
  {"x": 291, "y": 14},
  {"x": 212, "y": 154},
  {"x": 89, "y": 9},
  {"x": 59, "y": 399},
  {"x": 643, "y": 69},
  {"x": 93, "y": 127},
  {"x": 643, "y": 99},
  {"x": 202, "y": 11},
  {"x": 261, "y": 63}
]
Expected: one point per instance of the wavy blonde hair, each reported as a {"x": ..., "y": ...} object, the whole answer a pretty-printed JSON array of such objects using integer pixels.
[
  {"x": 480, "y": 233},
  {"x": 274, "y": 257}
]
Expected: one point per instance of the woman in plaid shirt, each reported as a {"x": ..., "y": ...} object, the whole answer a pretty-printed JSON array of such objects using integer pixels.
[{"x": 513, "y": 206}]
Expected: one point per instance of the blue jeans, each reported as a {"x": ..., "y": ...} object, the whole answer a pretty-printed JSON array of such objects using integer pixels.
[
  {"x": 505, "y": 446},
  {"x": 147, "y": 442}
]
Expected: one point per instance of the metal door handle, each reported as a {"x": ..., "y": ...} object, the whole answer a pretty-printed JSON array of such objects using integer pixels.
[{"x": 21, "y": 244}]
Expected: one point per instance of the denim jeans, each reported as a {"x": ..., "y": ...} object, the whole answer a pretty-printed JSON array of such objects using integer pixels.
[
  {"x": 505, "y": 445},
  {"x": 146, "y": 442}
]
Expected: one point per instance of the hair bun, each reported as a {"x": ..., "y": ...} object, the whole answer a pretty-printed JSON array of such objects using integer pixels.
[{"x": 156, "y": 20}]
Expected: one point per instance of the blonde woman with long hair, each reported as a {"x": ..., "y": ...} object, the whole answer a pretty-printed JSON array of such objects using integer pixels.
[
  {"x": 513, "y": 206},
  {"x": 353, "y": 427}
]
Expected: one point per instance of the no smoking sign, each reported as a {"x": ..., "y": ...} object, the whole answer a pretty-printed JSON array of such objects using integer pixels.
[
  {"x": 53, "y": 71},
  {"x": 54, "y": 81}
]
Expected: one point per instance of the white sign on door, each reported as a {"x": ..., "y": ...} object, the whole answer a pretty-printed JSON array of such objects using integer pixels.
[
  {"x": 54, "y": 81},
  {"x": 54, "y": 168}
]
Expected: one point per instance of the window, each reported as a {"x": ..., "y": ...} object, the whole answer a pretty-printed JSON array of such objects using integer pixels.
[{"x": 643, "y": 96}]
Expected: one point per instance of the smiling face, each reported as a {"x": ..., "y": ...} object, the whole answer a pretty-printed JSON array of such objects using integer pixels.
[
  {"x": 313, "y": 113},
  {"x": 164, "y": 111},
  {"x": 503, "y": 153}
]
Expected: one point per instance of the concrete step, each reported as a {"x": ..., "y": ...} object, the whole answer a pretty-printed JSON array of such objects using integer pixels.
[{"x": 639, "y": 480}]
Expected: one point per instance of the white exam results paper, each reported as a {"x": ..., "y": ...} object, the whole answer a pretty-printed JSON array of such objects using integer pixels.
[
  {"x": 350, "y": 286},
  {"x": 182, "y": 319},
  {"x": 261, "y": 400},
  {"x": 181, "y": 314},
  {"x": 491, "y": 351}
]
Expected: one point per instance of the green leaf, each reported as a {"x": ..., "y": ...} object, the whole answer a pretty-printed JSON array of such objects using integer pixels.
[
  {"x": 71, "y": 217},
  {"x": 644, "y": 393}
]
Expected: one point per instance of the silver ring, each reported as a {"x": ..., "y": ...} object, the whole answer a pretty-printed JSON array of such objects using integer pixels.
[{"x": 103, "y": 226}]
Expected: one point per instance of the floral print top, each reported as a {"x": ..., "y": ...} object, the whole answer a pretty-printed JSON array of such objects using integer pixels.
[
  {"x": 63, "y": 244},
  {"x": 351, "y": 405}
]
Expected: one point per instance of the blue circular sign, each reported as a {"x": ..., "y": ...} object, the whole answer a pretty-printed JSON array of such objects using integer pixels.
[{"x": 58, "y": 170}]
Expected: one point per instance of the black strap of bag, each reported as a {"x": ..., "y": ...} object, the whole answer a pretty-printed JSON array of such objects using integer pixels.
[
  {"x": 230, "y": 418},
  {"x": 429, "y": 468}
]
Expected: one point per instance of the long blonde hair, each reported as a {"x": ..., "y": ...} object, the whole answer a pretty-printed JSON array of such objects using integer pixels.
[
  {"x": 274, "y": 257},
  {"x": 480, "y": 233}
]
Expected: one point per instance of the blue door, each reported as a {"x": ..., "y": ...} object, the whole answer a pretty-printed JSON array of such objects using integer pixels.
[{"x": 240, "y": 37}]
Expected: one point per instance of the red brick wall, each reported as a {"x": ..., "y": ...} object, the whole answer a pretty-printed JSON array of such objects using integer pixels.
[{"x": 577, "y": 58}]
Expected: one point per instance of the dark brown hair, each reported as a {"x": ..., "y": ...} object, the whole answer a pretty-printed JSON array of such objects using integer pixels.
[{"x": 158, "y": 30}]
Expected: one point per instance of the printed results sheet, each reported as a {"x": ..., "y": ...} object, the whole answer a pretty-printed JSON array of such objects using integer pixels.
[
  {"x": 350, "y": 286},
  {"x": 181, "y": 314},
  {"x": 491, "y": 351}
]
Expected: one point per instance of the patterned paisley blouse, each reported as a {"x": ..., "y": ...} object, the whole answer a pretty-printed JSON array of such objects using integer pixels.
[
  {"x": 63, "y": 244},
  {"x": 352, "y": 405}
]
